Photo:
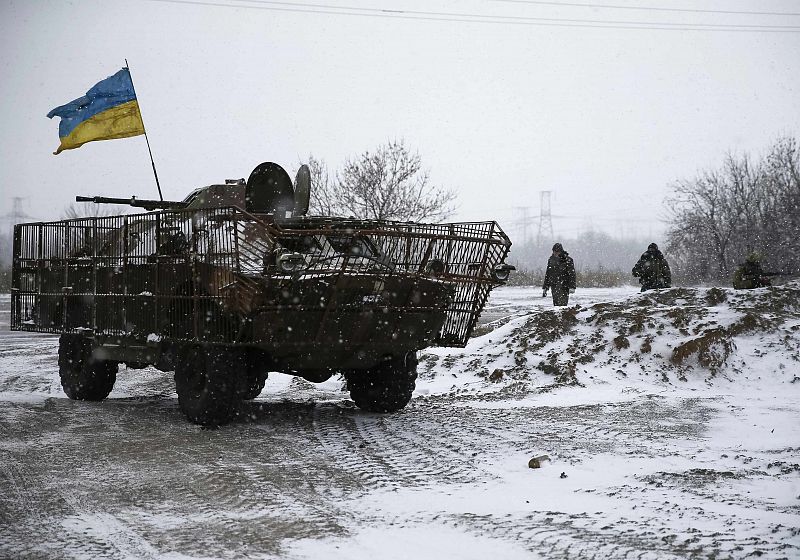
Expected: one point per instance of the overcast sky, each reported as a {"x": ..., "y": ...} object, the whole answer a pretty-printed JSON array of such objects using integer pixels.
[{"x": 605, "y": 118}]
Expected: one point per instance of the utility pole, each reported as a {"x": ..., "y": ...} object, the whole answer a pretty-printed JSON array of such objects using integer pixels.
[
  {"x": 524, "y": 221},
  {"x": 545, "y": 217},
  {"x": 16, "y": 216}
]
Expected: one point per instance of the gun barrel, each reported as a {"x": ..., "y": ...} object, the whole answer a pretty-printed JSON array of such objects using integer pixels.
[{"x": 135, "y": 202}]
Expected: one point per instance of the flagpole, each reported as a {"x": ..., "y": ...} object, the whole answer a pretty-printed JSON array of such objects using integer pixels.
[{"x": 153, "y": 163}]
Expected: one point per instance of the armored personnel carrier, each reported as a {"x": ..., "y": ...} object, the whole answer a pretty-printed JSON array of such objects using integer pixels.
[{"x": 237, "y": 280}]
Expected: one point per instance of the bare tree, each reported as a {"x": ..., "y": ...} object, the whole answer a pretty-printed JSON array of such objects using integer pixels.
[
  {"x": 323, "y": 189},
  {"x": 780, "y": 213},
  {"x": 745, "y": 206},
  {"x": 91, "y": 210},
  {"x": 699, "y": 221},
  {"x": 386, "y": 184}
]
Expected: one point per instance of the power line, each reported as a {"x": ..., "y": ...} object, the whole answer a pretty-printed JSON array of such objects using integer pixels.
[
  {"x": 512, "y": 18},
  {"x": 485, "y": 18},
  {"x": 647, "y": 8}
]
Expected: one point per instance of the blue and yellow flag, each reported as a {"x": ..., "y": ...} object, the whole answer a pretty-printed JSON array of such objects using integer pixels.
[{"x": 108, "y": 110}]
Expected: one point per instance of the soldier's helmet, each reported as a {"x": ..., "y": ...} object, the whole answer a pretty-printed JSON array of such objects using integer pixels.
[
  {"x": 753, "y": 257},
  {"x": 557, "y": 248},
  {"x": 652, "y": 247}
]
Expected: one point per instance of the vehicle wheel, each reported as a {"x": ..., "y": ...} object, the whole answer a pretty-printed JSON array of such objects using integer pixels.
[
  {"x": 252, "y": 374},
  {"x": 253, "y": 384},
  {"x": 385, "y": 388},
  {"x": 83, "y": 377},
  {"x": 205, "y": 380}
]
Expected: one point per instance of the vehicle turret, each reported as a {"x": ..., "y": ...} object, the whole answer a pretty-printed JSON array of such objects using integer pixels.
[{"x": 269, "y": 190}]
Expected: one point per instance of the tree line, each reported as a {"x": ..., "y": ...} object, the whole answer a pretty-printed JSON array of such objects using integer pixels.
[
  {"x": 745, "y": 206},
  {"x": 600, "y": 259}
]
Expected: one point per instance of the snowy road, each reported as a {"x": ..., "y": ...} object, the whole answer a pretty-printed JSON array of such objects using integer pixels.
[{"x": 650, "y": 469}]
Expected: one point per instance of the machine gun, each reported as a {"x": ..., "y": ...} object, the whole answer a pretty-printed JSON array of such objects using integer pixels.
[
  {"x": 766, "y": 276},
  {"x": 744, "y": 279},
  {"x": 149, "y": 205}
]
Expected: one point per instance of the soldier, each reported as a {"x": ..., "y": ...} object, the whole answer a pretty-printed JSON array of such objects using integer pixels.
[
  {"x": 172, "y": 241},
  {"x": 750, "y": 275},
  {"x": 653, "y": 269},
  {"x": 560, "y": 276},
  {"x": 87, "y": 245}
]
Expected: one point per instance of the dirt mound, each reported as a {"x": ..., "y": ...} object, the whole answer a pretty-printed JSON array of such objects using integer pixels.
[{"x": 674, "y": 334}]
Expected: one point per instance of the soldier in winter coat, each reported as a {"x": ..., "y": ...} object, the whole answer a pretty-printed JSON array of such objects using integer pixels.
[
  {"x": 750, "y": 275},
  {"x": 653, "y": 269},
  {"x": 560, "y": 275}
]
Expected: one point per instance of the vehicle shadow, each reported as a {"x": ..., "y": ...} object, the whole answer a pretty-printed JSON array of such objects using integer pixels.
[
  {"x": 161, "y": 408},
  {"x": 267, "y": 412}
]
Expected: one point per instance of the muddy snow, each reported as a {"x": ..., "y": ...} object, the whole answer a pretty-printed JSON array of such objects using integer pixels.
[{"x": 671, "y": 419}]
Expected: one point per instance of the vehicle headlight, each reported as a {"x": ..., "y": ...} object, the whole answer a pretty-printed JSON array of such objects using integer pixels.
[
  {"x": 435, "y": 267},
  {"x": 289, "y": 262},
  {"x": 501, "y": 272}
]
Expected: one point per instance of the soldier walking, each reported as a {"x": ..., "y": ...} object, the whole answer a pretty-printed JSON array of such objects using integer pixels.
[
  {"x": 560, "y": 276},
  {"x": 653, "y": 269}
]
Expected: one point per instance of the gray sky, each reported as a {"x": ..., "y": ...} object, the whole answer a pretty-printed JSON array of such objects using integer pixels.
[{"x": 604, "y": 118}]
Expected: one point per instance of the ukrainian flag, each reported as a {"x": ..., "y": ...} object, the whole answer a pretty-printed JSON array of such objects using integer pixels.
[{"x": 108, "y": 110}]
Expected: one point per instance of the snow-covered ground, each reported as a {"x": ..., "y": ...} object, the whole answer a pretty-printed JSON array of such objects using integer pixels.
[{"x": 671, "y": 420}]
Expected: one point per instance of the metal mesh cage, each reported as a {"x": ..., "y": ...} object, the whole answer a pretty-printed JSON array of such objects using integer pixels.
[{"x": 168, "y": 274}]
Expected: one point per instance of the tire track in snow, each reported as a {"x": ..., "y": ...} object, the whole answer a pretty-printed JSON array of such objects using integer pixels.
[
  {"x": 420, "y": 449},
  {"x": 338, "y": 434},
  {"x": 19, "y": 511},
  {"x": 103, "y": 535},
  {"x": 406, "y": 461},
  {"x": 555, "y": 535}
]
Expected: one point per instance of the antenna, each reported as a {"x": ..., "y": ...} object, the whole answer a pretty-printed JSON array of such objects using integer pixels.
[{"x": 146, "y": 139}]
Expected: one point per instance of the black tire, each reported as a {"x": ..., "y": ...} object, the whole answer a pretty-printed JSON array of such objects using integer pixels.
[
  {"x": 252, "y": 374},
  {"x": 385, "y": 388},
  {"x": 252, "y": 385},
  {"x": 205, "y": 380},
  {"x": 83, "y": 377}
]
